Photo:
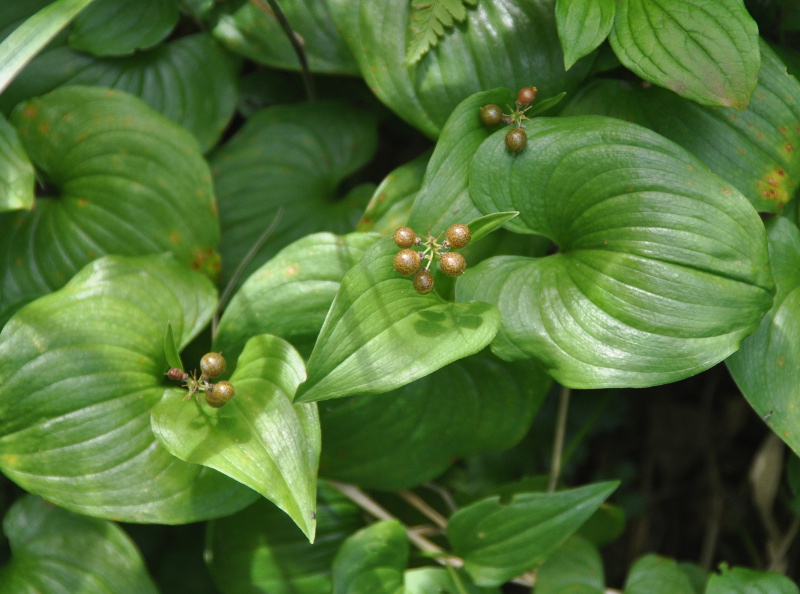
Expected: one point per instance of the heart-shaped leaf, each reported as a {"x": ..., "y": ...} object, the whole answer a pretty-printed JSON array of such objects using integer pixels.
[
  {"x": 258, "y": 438},
  {"x": 372, "y": 560},
  {"x": 704, "y": 51},
  {"x": 653, "y": 574},
  {"x": 120, "y": 27},
  {"x": 474, "y": 405},
  {"x": 756, "y": 149},
  {"x": 741, "y": 580},
  {"x": 576, "y": 567},
  {"x": 259, "y": 548},
  {"x": 291, "y": 294},
  {"x": 662, "y": 268},
  {"x": 499, "y": 541},
  {"x": 80, "y": 370},
  {"x": 763, "y": 368},
  {"x": 56, "y": 551},
  {"x": 191, "y": 80},
  {"x": 16, "y": 171},
  {"x": 504, "y": 43},
  {"x": 444, "y": 197},
  {"x": 582, "y": 26},
  {"x": 254, "y": 31},
  {"x": 283, "y": 158},
  {"x": 380, "y": 334},
  {"x": 121, "y": 178}
]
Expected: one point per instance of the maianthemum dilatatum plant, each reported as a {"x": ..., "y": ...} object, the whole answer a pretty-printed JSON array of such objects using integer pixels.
[{"x": 363, "y": 297}]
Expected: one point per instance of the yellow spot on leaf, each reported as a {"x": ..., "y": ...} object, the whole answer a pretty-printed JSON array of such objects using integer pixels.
[{"x": 82, "y": 202}]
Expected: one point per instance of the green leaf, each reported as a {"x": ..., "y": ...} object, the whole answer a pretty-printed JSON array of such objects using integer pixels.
[
  {"x": 191, "y": 80},
  {"x": 259, "y": 549},
  {"x": 59, "y": 552},
  {"x": 380, "y": 334},
  {"x": 741, "y": 580},
  {"x": 122, "y": 180},
  {"x": 501, "y": 540},
  {"x": 28, "y": 39},
  {"x": 582, "y": 26},
  {"x": 259, "y": 438},
  {"x": 545, "y": 104},
  {"x": 171, "y": 352},
  {"x": 120, "y": 27},
  {"x": 605, "y": 525},
  {"x": 704, "y": 51},
  {"x": 253, "y": 31},
  {"x": 290, "y": 295},
  {"x": 372, "y": 560},
  {"x": 444, "y": 197},
  {"x": 474, "y": 405},
  {"x": 662, "y": 267},
  {"x": 652, "y": 574},
  {"x": 16, "y": 171},
  {"x": 428, "y": 21},
  {"x": 285, "y": 158},
  {"x": 482, "y": 226},
  {"x": 756, "y": 149},
  {"x": 503, "y": 43},
  {"x": 575, "y": 567},
  {"x": 763, "y": 368},
  {"x": 426, "y": 580},
  {"x": 80, "y": 370}
]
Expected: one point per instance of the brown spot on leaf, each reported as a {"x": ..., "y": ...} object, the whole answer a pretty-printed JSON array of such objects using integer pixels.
[
  {"x": 44, "y": 128},
  {"x": 174, "y": 237},
  {"x": 726, "y": 191},
  {"x": 782, "y": 129},
  {"x": 82, "y": 202},
  {"x": 29, "y": 112},
  {"x": 789, "y": 148}
]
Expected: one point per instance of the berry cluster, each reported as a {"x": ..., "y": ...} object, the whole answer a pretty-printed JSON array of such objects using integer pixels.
[
  {"x": 211, "y": 365},
  {"x": 492, "y": 115},
  {"x": 408, "y": 261}
]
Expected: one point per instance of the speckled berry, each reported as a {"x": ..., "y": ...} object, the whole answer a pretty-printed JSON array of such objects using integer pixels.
[
  {"x": 526, "y": 95},
  {"x": 405, "y": 237},
  {"x": 212, "y": 364},
  {"x": 423, "y": 282},
  {"x": 516, "y": 139},
  {"x": 407, "y": 262},
  {"x": 458, "y": 235},
  {"x": 491, "y": 115},
  {"x": 220, "y": 394},
  {"x": 452, "y": 263}
]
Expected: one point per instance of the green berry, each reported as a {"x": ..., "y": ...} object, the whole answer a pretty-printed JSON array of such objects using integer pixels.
[
  {"x": 405, "y": 237},
  {"x": 423, "y": 282},
  {"x": 516, "y": 139},
  {"x": 452, "y": 263},
  {"x": 407, "y": 262},
  {"x": 491, "y": 115},
  {"x": 526, "y": 96},
  {"x": 220, "y": 394},
  {"x": 458, "y": 235},
  {"x": 212, "y": 365}
]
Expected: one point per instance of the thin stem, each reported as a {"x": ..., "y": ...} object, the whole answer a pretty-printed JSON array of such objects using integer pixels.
[
  {"x": 558, "y": 440},
  {"x": 294, "y": 39},
  {"x": 444, "y": 494},
  {"x": 237, "y": 274},
  {"x": 422, "y": 506},
  {"x": 455, "y": 578},
  {"x": 785, "y": 544}
]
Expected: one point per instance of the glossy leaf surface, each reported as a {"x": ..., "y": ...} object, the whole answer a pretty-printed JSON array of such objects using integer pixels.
[
  {"x": 283, "y": 157},
  {"x": 506, "y": 43},
  {"x": 380, "y": 334},
  {"x": 582, "y": 26},
  {"x": 652, "y": 574},
  {"x": 764, "y": 367},
  {"x": 290, "y": 295},
  {"x": 741, "y": 580},
  {"x": 122, "y": 179},
  {"x": 259, "y": 438},
  {"x": 191, "y": 80},
  {"x": 253, "y": 31},
  {"x": 120, "y": 27},
  {"x": 756, "y": 149},
  {"x": 401, "y": 439},
  {"x": 704, "y": 50},
  {"x": 260, "y": 550},
  {"x": 16, "y": 171},
  {"x": 499, "y": 541},
  {"x": 59, "y": 552},
  {"x": 662, "y": 268},
  {"x": 80, "y": 370}
]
